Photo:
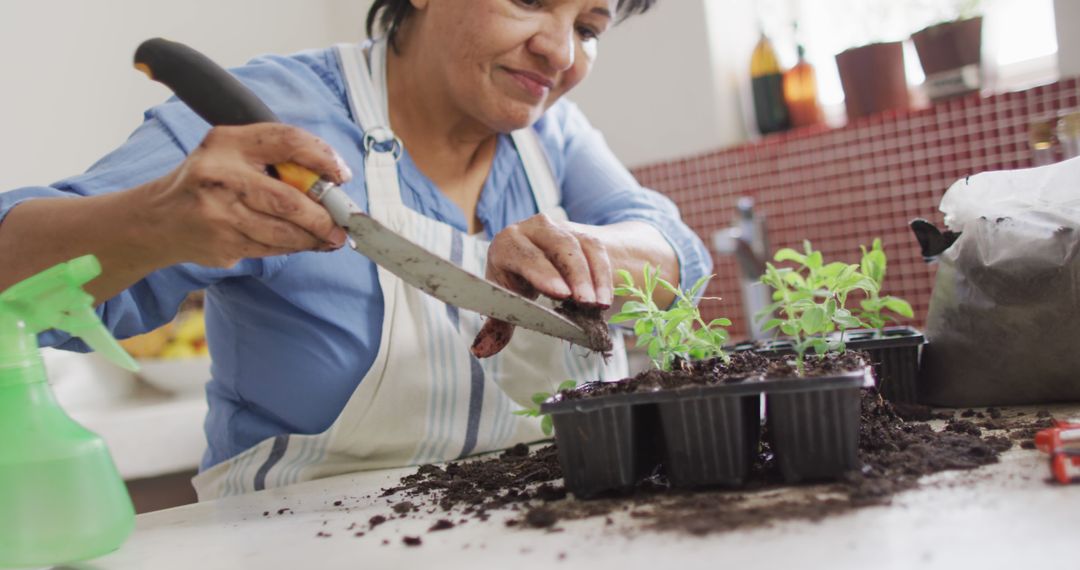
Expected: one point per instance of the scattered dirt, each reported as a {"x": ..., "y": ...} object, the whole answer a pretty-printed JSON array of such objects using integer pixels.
[
  {"x": 590, "y": 318},
  {"x": 919, "y": 412},
  {"x": 894, "y": 453}
]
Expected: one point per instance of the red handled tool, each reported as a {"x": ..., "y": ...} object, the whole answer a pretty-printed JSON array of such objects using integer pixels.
[{"x": 1062, "y": 442}]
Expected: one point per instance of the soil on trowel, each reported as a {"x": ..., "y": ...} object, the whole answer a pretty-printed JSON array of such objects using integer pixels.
[
  {"x": 894, "y": 454},
  {"x": 590, "y": 318}
]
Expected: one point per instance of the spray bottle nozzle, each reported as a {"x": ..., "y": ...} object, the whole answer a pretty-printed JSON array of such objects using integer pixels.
[{"x": 54, "y": 299}]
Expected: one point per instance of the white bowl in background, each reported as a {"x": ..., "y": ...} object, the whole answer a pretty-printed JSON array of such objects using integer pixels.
[
  {"x": 86, "y": 381},
  {"x": 176, "y": 376}
]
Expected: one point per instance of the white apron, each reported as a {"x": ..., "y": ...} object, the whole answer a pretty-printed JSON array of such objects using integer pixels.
[{"x": 426, "y": 398}]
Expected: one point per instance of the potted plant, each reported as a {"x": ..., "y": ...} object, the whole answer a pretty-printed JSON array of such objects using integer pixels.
[
  {"x": 894, "y": 351},
  {"x": 951, "y": 51},
  {"x": 697, "y": 413}
]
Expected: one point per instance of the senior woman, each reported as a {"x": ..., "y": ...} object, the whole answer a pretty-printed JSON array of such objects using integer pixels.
[{"x": 324, "y": 363}]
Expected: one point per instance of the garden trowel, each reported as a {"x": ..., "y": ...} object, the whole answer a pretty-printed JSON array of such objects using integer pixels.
[{"x": 221, "y": 99}]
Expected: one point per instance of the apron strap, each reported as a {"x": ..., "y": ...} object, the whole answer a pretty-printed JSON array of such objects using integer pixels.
[
  {"x": 538, "y": 171},
  {"x": 367, "y": 100}
]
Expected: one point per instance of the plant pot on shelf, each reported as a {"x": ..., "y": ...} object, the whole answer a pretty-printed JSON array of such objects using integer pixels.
[
  {"x": 706, "y": 434},
  {"x": 873, "y": 79},
  {"x": 951, "y": 57}
]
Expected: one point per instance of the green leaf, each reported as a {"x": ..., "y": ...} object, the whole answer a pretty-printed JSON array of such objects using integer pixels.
[
  {"x": 788, "y": 254},
  {"x": 847, "y": 321},
  {"x": 873, "y": 304},
  {"x": 540, "y": 397},
  {"x": 634, "y": 307},
  {"x": 795, "y": 280},
  {"x": 772, "y": 324},
  {"x": 813, "y": 320},
  {"x": 626, "y": 277},
  {"x": 873, "y": 265},
  {"x": 790, "y": 328},
  {"x": 814, "y": 261},
  {"x": 720, "y": 322},
  {"x": 674, "y": 324},
  {"x": 531, "y": 413},
  {"x": 643, "y": 326},
  {"x": 654, "y": 348},
  {"x": 899, "y": 306},
  {"x": 626, "y": 292},
  {"x": 547, "y": 426},
  {"x": 832, "y": 270},
  {"x": 567, "y": 385},
  {"x": 624, "y": 317},
  {"x": 820, "y": 345}
]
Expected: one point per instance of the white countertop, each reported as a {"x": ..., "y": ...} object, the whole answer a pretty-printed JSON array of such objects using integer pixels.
[{"x": 1005, "y": 515}]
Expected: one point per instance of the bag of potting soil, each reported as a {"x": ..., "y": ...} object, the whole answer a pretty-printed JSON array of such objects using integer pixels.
[{"x": 1004, "y": 320}]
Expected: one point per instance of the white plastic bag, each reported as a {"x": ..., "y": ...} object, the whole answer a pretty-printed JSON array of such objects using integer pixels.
[{"x": 1004, "y": 320}]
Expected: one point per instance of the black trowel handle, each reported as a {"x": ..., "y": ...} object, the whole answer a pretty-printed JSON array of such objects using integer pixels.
[
  {"x": 218, "y": 97},
  {"x": 213, "y": 93}
]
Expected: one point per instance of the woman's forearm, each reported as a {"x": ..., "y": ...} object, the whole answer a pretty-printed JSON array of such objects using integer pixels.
[{"x": 40, "y": 233}]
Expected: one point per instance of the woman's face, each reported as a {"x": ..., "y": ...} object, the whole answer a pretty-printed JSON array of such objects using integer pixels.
[{"x": 504, "y": 62}]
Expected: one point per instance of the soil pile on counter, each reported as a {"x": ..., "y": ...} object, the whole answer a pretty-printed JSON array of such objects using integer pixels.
[{"x": 895, "y": 453}]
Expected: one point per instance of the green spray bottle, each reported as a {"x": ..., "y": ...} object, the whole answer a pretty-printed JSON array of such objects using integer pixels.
[{"x": 61, "y": 497}]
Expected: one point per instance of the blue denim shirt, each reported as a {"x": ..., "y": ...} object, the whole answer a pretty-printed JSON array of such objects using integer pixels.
[{"x": 292, "y": 336}]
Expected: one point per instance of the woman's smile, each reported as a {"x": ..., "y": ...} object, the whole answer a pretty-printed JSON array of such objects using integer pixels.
[{"x": 534, "y": 85}]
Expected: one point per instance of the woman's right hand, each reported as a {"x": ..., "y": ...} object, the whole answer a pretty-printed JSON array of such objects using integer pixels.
[{"x": 220, "y": 206}]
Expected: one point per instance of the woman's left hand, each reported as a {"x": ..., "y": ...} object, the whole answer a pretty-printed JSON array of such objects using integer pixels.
[{"x": 539, "y": 255}]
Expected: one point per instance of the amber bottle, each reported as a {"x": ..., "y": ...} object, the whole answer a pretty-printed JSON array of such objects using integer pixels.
[{"x": 801, "y": 93}]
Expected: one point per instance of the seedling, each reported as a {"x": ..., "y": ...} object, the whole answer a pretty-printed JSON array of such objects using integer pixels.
[
  {"x": 873, "y": 266},
  {"x": 812, "y": 299},
  {"x": 541, "y": 397},
  {"x": 676, "y": 333}
]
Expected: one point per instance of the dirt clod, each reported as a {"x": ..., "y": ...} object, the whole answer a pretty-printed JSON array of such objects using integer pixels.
[
  {"x": 412, "y": 540},
  {"x": 591, "y": 318},
  {"x": 441, "y": 524},
  {"x": 541, "y": 517}
]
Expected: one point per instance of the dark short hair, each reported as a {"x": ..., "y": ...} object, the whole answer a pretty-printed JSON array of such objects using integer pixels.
[{"x": 388, "y": 15}]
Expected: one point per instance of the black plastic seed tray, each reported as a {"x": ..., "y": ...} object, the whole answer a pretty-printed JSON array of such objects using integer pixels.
[
  {"x": 708, "y": 435},
  {"x": 894, "y": 352}
]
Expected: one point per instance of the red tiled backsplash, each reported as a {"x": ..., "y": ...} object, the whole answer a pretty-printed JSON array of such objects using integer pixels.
[{"x": 840, "y": 188}]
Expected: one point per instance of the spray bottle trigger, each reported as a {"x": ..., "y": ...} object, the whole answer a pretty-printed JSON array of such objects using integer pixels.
[{"x": 97, "y": 337}]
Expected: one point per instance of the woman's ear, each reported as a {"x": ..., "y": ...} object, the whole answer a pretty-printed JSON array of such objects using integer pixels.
[{"x": 419, "y": 4}]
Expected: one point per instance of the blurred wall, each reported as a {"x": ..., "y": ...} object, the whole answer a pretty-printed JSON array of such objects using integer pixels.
[
  {"x": 1067, "y": 18},
  {"x": 69, "y": 93},
  {"x": 661, "y": 87}
]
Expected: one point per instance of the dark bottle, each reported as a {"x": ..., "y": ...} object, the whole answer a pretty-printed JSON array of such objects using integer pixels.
[{"x": 767, "y": 82}]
